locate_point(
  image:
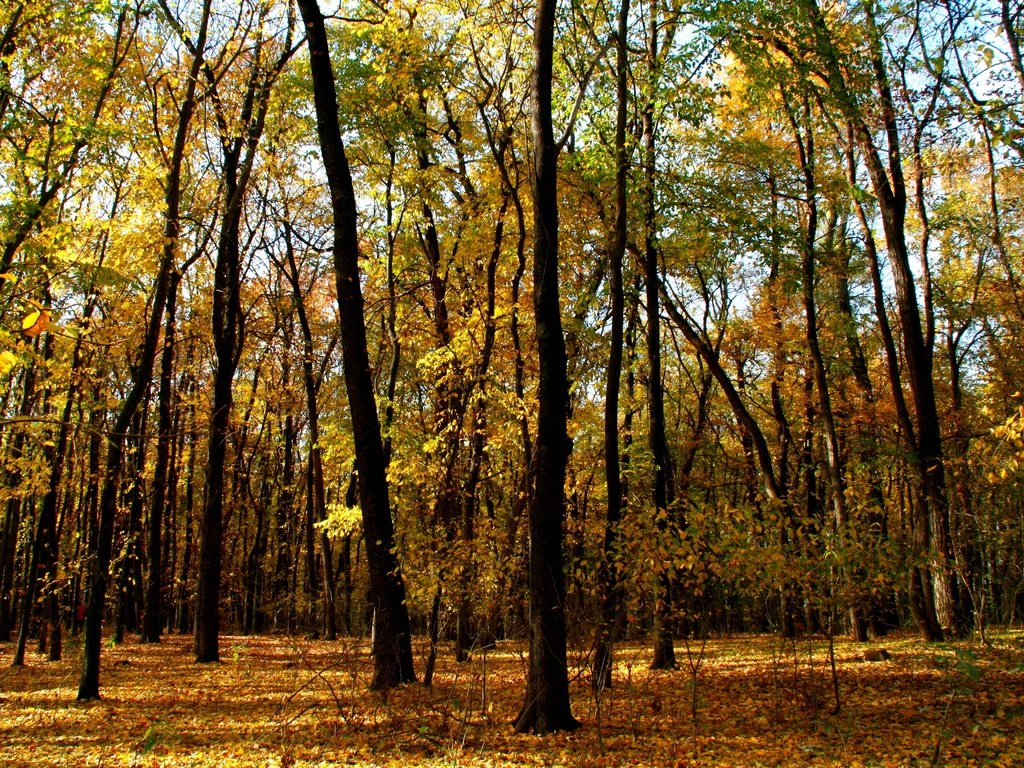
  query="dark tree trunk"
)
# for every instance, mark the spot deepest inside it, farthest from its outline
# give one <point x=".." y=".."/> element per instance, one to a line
<point x="611" y="591"/>
<point x="392" y="646"/>
<point x="664" y="648"/>
<point x="101" y="543"/>
<point x="238" y="155"/>
<point x="546" y="707"/>
<point x="151" y="622"/>
<point x="227" y="341"/>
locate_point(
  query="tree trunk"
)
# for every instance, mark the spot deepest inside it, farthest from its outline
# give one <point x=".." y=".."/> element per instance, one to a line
<point x="238" y="155"/>
<point x="185" y="617"/>
<point x="804" y="140"/>
<point x="546" y="708"/>
<point x="930" y="524"/>
<point x="151" y="623"/>
<point x="101" y="543"/>
<point x="43" y="551"/>
<point x="102" y="540"/>
<point x="664" y="648"/>
<point x="611" y="591"/>
<point x="392" y="647"/>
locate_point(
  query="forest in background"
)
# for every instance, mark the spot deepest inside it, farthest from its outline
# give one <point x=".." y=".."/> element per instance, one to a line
<point x="788" y="273"/>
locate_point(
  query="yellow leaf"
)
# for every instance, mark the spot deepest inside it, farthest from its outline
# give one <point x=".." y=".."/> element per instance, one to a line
<point x="7" y="361"/>
<point x="35" y="322"/>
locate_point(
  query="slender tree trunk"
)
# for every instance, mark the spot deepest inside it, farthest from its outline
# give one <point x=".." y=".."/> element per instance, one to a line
<point x="102" y="540"/>
<point x="931" y="518"/>
<point x="804" y="140"/>
<point x="14" y="507"/>
<point x="185" y="606"/>
<point x="101" y="544"/>
<point x="392" y="648"/>
<point x="151" y="623"/>
<point x="129" y="569"/>
<point x="316" y="508"/>
<point x="611" y="591"/>
<point x="43" y="550"/>
<point x="664" y="648"/>
<point x="238" y="156"/>
<point x="284" y="598"/>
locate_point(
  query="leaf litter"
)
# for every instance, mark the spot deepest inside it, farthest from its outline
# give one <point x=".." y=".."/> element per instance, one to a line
<point x="741" y="701"/>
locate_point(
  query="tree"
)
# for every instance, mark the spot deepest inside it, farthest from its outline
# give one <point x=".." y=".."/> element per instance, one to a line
<point x="238" y="148"/>
<point x="611" y="591"/>
<point x="546" y="708"/>
<point x="392" y="646"/>
<point x="101" y="542"/>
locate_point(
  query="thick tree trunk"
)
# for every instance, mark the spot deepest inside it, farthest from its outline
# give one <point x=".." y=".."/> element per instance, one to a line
<point x="227" y="316"/>
<point x="546" y="707"/>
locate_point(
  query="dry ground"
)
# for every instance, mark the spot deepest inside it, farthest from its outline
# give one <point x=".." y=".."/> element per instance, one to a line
<point x="279" y="701"/>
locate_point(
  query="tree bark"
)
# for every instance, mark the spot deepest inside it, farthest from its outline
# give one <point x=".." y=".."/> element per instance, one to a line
<point x="238" y="149"/>
<point x="392" y="647"/>
<point x="546" y="708"/>
<point x="611" y="590"/>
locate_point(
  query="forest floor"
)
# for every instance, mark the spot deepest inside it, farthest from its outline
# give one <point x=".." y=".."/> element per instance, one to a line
<point x="740" y="701"/>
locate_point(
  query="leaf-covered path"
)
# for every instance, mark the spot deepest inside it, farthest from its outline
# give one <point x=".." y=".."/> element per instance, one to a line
<point x="277" y="701"/>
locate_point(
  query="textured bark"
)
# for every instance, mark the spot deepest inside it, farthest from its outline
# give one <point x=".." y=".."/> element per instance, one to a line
<point x="546" y="708"/>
